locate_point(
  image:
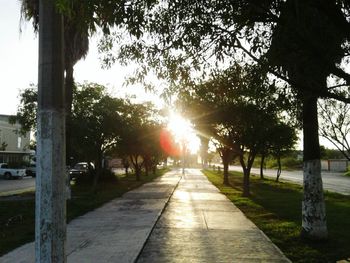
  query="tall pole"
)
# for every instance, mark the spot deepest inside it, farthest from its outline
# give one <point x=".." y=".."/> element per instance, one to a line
<point x="50" y="210"/>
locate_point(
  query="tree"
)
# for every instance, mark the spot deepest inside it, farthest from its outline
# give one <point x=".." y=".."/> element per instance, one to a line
<point x="50" y="200"/>
<point x="27" y="110"/>
<point x="81" y="19"/>
<point x="277" y="140"/>
<point x="335" y="124"/>
<point x="152" y="151"/>
<point x="234" y="109"/>
<point x="76" y="46"/>
<point x="97" y="122"/>
<point x="139" y="140"/>
<point x="204" y="150"/>
<point x="50" y="220"/>
<point x="283" y="140"/>
<point x="300" y="42"/>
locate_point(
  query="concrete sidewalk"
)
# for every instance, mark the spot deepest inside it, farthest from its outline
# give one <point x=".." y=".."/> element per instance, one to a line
<point x="200" y="224"/>
<point x="154" y="223"/>
<point x="115" y="232"/>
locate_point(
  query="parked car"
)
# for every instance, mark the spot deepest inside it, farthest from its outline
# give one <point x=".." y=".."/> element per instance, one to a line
<point x="31" y="170"/>
<point x="10" y="173"/>
<point x="79" y="169"/>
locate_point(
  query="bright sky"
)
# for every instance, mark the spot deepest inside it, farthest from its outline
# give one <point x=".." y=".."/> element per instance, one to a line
<point x="182" y="130"/>
<point x="19" y="62"/>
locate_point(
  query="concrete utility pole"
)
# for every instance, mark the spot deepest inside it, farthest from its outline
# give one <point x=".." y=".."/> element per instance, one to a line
<point x="50" y="210"/>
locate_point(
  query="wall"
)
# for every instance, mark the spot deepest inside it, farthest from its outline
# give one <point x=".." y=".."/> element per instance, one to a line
<point x="8" y="134"/>
<point x="335" y="165"/>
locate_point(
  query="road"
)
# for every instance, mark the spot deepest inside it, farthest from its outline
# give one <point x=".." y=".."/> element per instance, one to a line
<point x="332" y="181"/>
<point x="8" y="187"/>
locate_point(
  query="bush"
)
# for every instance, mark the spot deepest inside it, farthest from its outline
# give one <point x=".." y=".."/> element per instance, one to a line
<point x="105" y="176"/>
<point x="291" y="162"/>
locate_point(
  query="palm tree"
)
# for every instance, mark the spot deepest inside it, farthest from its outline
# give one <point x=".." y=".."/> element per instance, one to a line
<point x="76" y="47"/>
<point x="50" y="205"/>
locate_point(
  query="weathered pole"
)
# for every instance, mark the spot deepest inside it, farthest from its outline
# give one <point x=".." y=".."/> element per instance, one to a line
<point x="50" y="210"/>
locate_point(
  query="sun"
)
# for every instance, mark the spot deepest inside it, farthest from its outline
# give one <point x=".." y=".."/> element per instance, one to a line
<point x="183" y="132"/>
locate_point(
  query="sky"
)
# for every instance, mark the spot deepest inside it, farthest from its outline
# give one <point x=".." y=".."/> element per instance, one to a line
<point x="19" y="64"/>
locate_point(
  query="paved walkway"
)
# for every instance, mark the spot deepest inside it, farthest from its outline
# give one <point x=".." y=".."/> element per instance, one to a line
<point x="115" y="232"/>
<point x="198" y="225"/>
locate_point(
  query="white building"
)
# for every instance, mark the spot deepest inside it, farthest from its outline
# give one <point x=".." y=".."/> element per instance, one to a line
<point x="14" y="147"/>
<point x="335" y="165"/>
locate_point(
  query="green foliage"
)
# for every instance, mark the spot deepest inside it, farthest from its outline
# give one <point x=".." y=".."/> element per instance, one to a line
<point x="3" y="146"/>
<point x="27" y="110"/>
<point x="87" y="16"/>
<point x="103" y="125"/>
<point x="184" y="38"/>
<point x="289" y="161"/>
<point x="106" y="175"/>
<point x="96" y="122"/>
<point x="140" y="137"/>
<point x="335" y="125"/>
<point x="241" y="110"/>
<point x="280" y="222"/>
<point x="330" y="153"/>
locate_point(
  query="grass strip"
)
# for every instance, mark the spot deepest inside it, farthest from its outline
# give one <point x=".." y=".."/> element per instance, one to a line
<point x="276" y="209"/>
<point x="17" y="213"/>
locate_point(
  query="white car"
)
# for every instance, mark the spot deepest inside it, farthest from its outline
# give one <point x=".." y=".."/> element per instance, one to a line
<point x="10" y="173"/>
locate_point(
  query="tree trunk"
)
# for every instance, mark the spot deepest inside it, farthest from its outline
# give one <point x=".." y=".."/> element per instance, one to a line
<point x="50" y="204"/>
<point x="69" y="84"/>
<point x="314" y="225"/>
<point x="204" y="151"/>
<point x="225" y="157"/>
<point x="246" y="171"/>
<point x="138" y="173"/>
<point x="146" y="170"/>
<point x="98" y="170"/>
<point x="137" y="166"/>
<point x="246" y="182"/>
<point x="226" y="182"/>
<point x="262" y="166"/>
<point x="279" y="169"/>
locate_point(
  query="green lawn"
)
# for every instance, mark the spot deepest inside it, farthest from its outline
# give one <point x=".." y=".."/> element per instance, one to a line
<point x="276" y="209"/>
<point x="17" y="212"/>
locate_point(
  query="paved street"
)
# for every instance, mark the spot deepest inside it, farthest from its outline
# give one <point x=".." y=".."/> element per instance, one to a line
<point x="176" y="218"/>
<point x="8" y="187"/>
<point x="332" y="181"/>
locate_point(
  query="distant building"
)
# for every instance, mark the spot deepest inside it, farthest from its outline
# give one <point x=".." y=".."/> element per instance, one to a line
<point x="14" y="147"/>
<point x="335" y="165"/>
